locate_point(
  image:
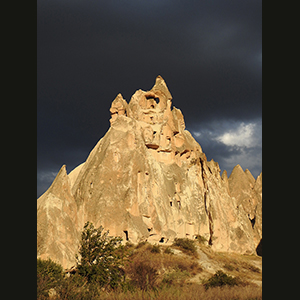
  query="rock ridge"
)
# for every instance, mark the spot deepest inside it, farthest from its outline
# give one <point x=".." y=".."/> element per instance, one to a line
<point x="148" y="179"/>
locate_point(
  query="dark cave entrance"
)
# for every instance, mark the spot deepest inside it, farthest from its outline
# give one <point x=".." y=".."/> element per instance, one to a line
<point x="259" y="248"/>
<point x="252" y="220"/>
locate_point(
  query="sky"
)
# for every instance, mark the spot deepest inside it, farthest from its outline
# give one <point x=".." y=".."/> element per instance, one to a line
<point x="208" y="52"/>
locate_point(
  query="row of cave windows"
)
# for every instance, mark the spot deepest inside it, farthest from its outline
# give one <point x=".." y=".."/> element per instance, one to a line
<point x="156" y="99"/>
<point x="178" y="202"/>
<point x="162" y="240"/>
<point x="258" y="248"/>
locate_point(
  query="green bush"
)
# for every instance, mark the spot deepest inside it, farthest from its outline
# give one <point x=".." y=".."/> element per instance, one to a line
<point x="49" y="268"/>
<point x="100" y="259"/>
<point x="221" y="279"/>
<point x="49" y="275"/>
<point x="187" y="245"/>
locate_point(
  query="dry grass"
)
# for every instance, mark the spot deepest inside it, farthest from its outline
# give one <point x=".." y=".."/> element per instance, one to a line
<point x="183" y="268"/>
<point x="244" y="266"/>
<point x="150" y="267"/>
<point x="190" y="292"/>
<point x="186" y="245"/>
<point x="153" y="273"/>
<point x="164" y="262"/>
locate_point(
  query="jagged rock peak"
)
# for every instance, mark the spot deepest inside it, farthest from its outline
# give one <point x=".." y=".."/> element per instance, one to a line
<point x="118" y="107"/>
<point x="259" y="178"/>
<point x="224" y="175"/>
<point x="236" y="171"/>
<point x="250" y="176"/>
<point x="160" y="86"/>
<point x="61" y="185"/>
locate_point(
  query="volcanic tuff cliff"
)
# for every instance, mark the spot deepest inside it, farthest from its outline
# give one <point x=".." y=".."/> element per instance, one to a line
<point x="148" y="179"/>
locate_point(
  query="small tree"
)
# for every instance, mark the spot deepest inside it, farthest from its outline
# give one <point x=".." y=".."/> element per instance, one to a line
<point x="99" y="261"/>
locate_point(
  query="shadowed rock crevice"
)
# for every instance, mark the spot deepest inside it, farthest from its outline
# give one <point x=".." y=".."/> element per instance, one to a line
<point x="259" y="248"/>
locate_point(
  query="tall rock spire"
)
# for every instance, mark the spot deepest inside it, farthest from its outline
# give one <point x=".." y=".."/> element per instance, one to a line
<point x="161" y="86"/>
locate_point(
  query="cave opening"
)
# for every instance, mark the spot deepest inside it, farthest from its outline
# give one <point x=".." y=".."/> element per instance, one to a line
<point x="259" y="248"/>
<point x="252" y="220"/>
<point x="126" y="235"/>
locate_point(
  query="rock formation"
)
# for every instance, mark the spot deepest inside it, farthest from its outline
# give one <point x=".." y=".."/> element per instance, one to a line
<point x="148" y="179"/>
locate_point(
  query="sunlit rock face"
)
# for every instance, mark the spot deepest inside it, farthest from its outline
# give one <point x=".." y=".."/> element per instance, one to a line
<point x="148" y="179"/>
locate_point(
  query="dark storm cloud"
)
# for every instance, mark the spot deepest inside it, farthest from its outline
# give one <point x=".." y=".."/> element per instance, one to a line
<point x="209" y="53"/>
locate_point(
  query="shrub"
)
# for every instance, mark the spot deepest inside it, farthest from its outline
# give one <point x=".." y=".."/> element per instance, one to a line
<point x="187" y="245"/>
<point x="229" y="267"/>
<point x="49" y="268"/>
<point x="143" y="275"/>
<point x="141" y="244"/>
<point x="155" y="249"/>
<point x="75" y="287"/>
<point x="49" y="275"/>
<point x="129" y="245"/>
<point x="201" y="239"/>
<point x="168" y="250"/>
<point x="175" y="277"/>
<point x="221" y="279"/>
<point x="142" y="268"/>
<point x="100" y="259"/>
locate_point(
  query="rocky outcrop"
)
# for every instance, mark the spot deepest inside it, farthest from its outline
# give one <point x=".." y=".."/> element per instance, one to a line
<point x="248" y="194"/>
<point x="148" y="179"/>
<point x="57" y="233"/>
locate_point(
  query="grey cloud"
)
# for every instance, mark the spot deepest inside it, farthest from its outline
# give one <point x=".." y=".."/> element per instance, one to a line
<point x="247" y="152"/>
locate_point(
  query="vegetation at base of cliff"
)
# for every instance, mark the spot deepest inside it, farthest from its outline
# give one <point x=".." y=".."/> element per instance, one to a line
<point x="221" y="279"/>
<point x="186" y="245"/>
<point x="106" y="269"/>
<point x="100" y="259"/>
<point x="49" y="276"/>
